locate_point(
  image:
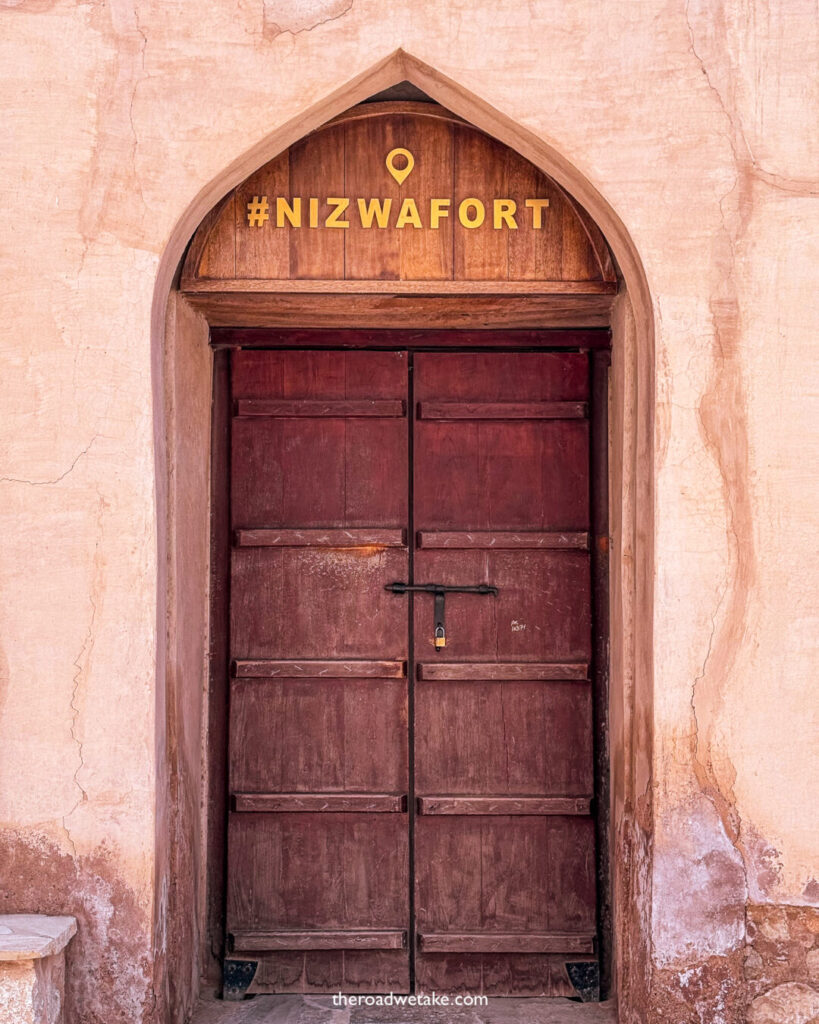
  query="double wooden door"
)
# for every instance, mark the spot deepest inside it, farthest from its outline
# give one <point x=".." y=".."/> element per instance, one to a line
<point x="404" y="814"/>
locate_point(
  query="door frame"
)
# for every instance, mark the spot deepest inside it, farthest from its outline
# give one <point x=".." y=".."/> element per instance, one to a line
<point x="597" y="341"/>
<point x="181" y="375"/>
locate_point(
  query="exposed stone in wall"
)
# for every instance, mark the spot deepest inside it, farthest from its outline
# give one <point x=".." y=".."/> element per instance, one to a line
<point x="698" y="900"/>
<point x="773" y="979"/>
<point x="705" y="991"/>
<point x="786" y="1004"/>
<point x="783" y="948"/>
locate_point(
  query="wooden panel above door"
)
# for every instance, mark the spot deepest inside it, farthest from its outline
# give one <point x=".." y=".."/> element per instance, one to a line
<point x="328" y="218"/>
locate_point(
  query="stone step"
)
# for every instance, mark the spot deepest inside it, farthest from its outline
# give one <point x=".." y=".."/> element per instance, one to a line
<point x="32" y="967"/>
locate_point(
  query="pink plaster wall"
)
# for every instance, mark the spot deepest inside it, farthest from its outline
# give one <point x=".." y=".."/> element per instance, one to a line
<point x="693" y="125"/>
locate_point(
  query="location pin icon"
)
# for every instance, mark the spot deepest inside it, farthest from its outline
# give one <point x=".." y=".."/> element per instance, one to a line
<point x="400" y="173"/>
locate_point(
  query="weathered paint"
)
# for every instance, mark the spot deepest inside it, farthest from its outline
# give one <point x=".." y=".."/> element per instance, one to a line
<point x="695" y="123"/>
<point x="109" y="961"/>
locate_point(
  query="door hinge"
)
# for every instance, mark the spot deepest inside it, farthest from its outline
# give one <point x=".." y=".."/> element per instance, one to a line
<point x="585" y="977"/>
<point x="237" y="976"/>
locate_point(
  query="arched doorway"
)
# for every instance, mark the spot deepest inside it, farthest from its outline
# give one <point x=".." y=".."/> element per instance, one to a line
<point x="272" y="285"/>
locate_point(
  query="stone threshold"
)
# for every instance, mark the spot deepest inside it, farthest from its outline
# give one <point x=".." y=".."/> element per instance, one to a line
<point x="294" y="1009"/>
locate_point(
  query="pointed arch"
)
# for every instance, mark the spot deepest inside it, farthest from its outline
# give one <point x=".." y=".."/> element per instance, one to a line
<point x="181" y="368"/>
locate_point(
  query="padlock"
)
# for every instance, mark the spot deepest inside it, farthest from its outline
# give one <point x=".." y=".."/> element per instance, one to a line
<point x="440" y="590"/>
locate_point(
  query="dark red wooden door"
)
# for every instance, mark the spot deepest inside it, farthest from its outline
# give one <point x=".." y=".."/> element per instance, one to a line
<point x="353" y="741"/>
<point x="504" y="843"/>
<point x="318" y="844"/>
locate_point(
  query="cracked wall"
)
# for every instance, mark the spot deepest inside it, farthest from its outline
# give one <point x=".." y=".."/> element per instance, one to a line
<point x="696" y="121"/>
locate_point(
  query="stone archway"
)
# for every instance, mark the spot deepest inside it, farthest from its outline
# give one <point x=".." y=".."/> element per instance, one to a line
<point x="182" y="375"/>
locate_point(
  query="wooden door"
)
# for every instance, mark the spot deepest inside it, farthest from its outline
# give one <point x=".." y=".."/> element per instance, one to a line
<point x="504" y="841"/>
<point x="318" y="844"/>
<point x="358" y="750"/>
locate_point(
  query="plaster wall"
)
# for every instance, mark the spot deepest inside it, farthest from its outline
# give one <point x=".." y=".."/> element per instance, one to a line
<point x="695" y="123"/>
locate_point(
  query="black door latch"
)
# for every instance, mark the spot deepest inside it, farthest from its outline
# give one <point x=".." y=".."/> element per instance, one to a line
<point x="440" y="590"/>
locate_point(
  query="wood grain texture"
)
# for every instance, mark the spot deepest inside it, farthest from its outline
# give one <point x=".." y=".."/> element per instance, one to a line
<point x="323" y="871"/>
<point x="502" y="760"/>
<point x="381" y="803"/>
<point x="502" y="539"/>
<point x="345" y="456"/>
<point x="516" y="740"/>
<point x="488" y="489"/>
<point x="503" y="805"/>
<point x="532" y="256"/>
<point x="500" y="670"/>
<point x="318" y="743"/>
<point x="506" y="942"/>
<point x="318" y="735"/>
<point x="501" y="474"/>
<point x="333" y="750"/>
<point x="367" y="111"/>
<point x="428" y="255"/>
<point x="373" y="252"/>
<point x="540" y="614"/>
<point x="453" y="161"/>
<point x="248" y="941"/>
<point x="218" y="666"/>
<point x="319" y="538"/>
<point x="314" y="375"/>
<point x="316" y="252"/>
<point x="315" y="408"/>
<point x="316" y="669"/>
<point x="480" y="170"/>
<point x="433" y="309"/>
<point x="303" y="603"/>
<point x="259" y="253"/>
<point x="329" y="970"/>
<point x="357" y="465"/>
<point x="213" y="248"/>
<point x="502" y="410"/>
<point x="524" y="975"/>
<point x="344" y="338"/>
<point x="599" y="443"/>
<point x="504" y="873"/>
<point x="332" y="286"/>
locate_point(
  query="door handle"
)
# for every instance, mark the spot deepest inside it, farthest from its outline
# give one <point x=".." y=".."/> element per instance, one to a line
<point x="440" y="590"/>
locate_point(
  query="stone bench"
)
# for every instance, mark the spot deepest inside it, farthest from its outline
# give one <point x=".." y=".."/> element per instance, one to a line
<point x="32" y="967"/>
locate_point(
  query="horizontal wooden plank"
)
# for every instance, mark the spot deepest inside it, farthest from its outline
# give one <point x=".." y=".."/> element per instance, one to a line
<point x="506" y="942"/>
<point x="385" y="803"/>
<point x="256" y="337"/>
<point x="502" y="410"/>
<point x="352" y="938"/>
<point x="504" y="805"/>
<point x="269" y="668"/>
<point x="501" y="670"/>
<point x="319" y="408"/>
<point x="254" y="285"/>
<point x="430" y="311"/>
<point x="366" y="111"/>
<point x="503" y="539"/>
<point x="352" y="538"/>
